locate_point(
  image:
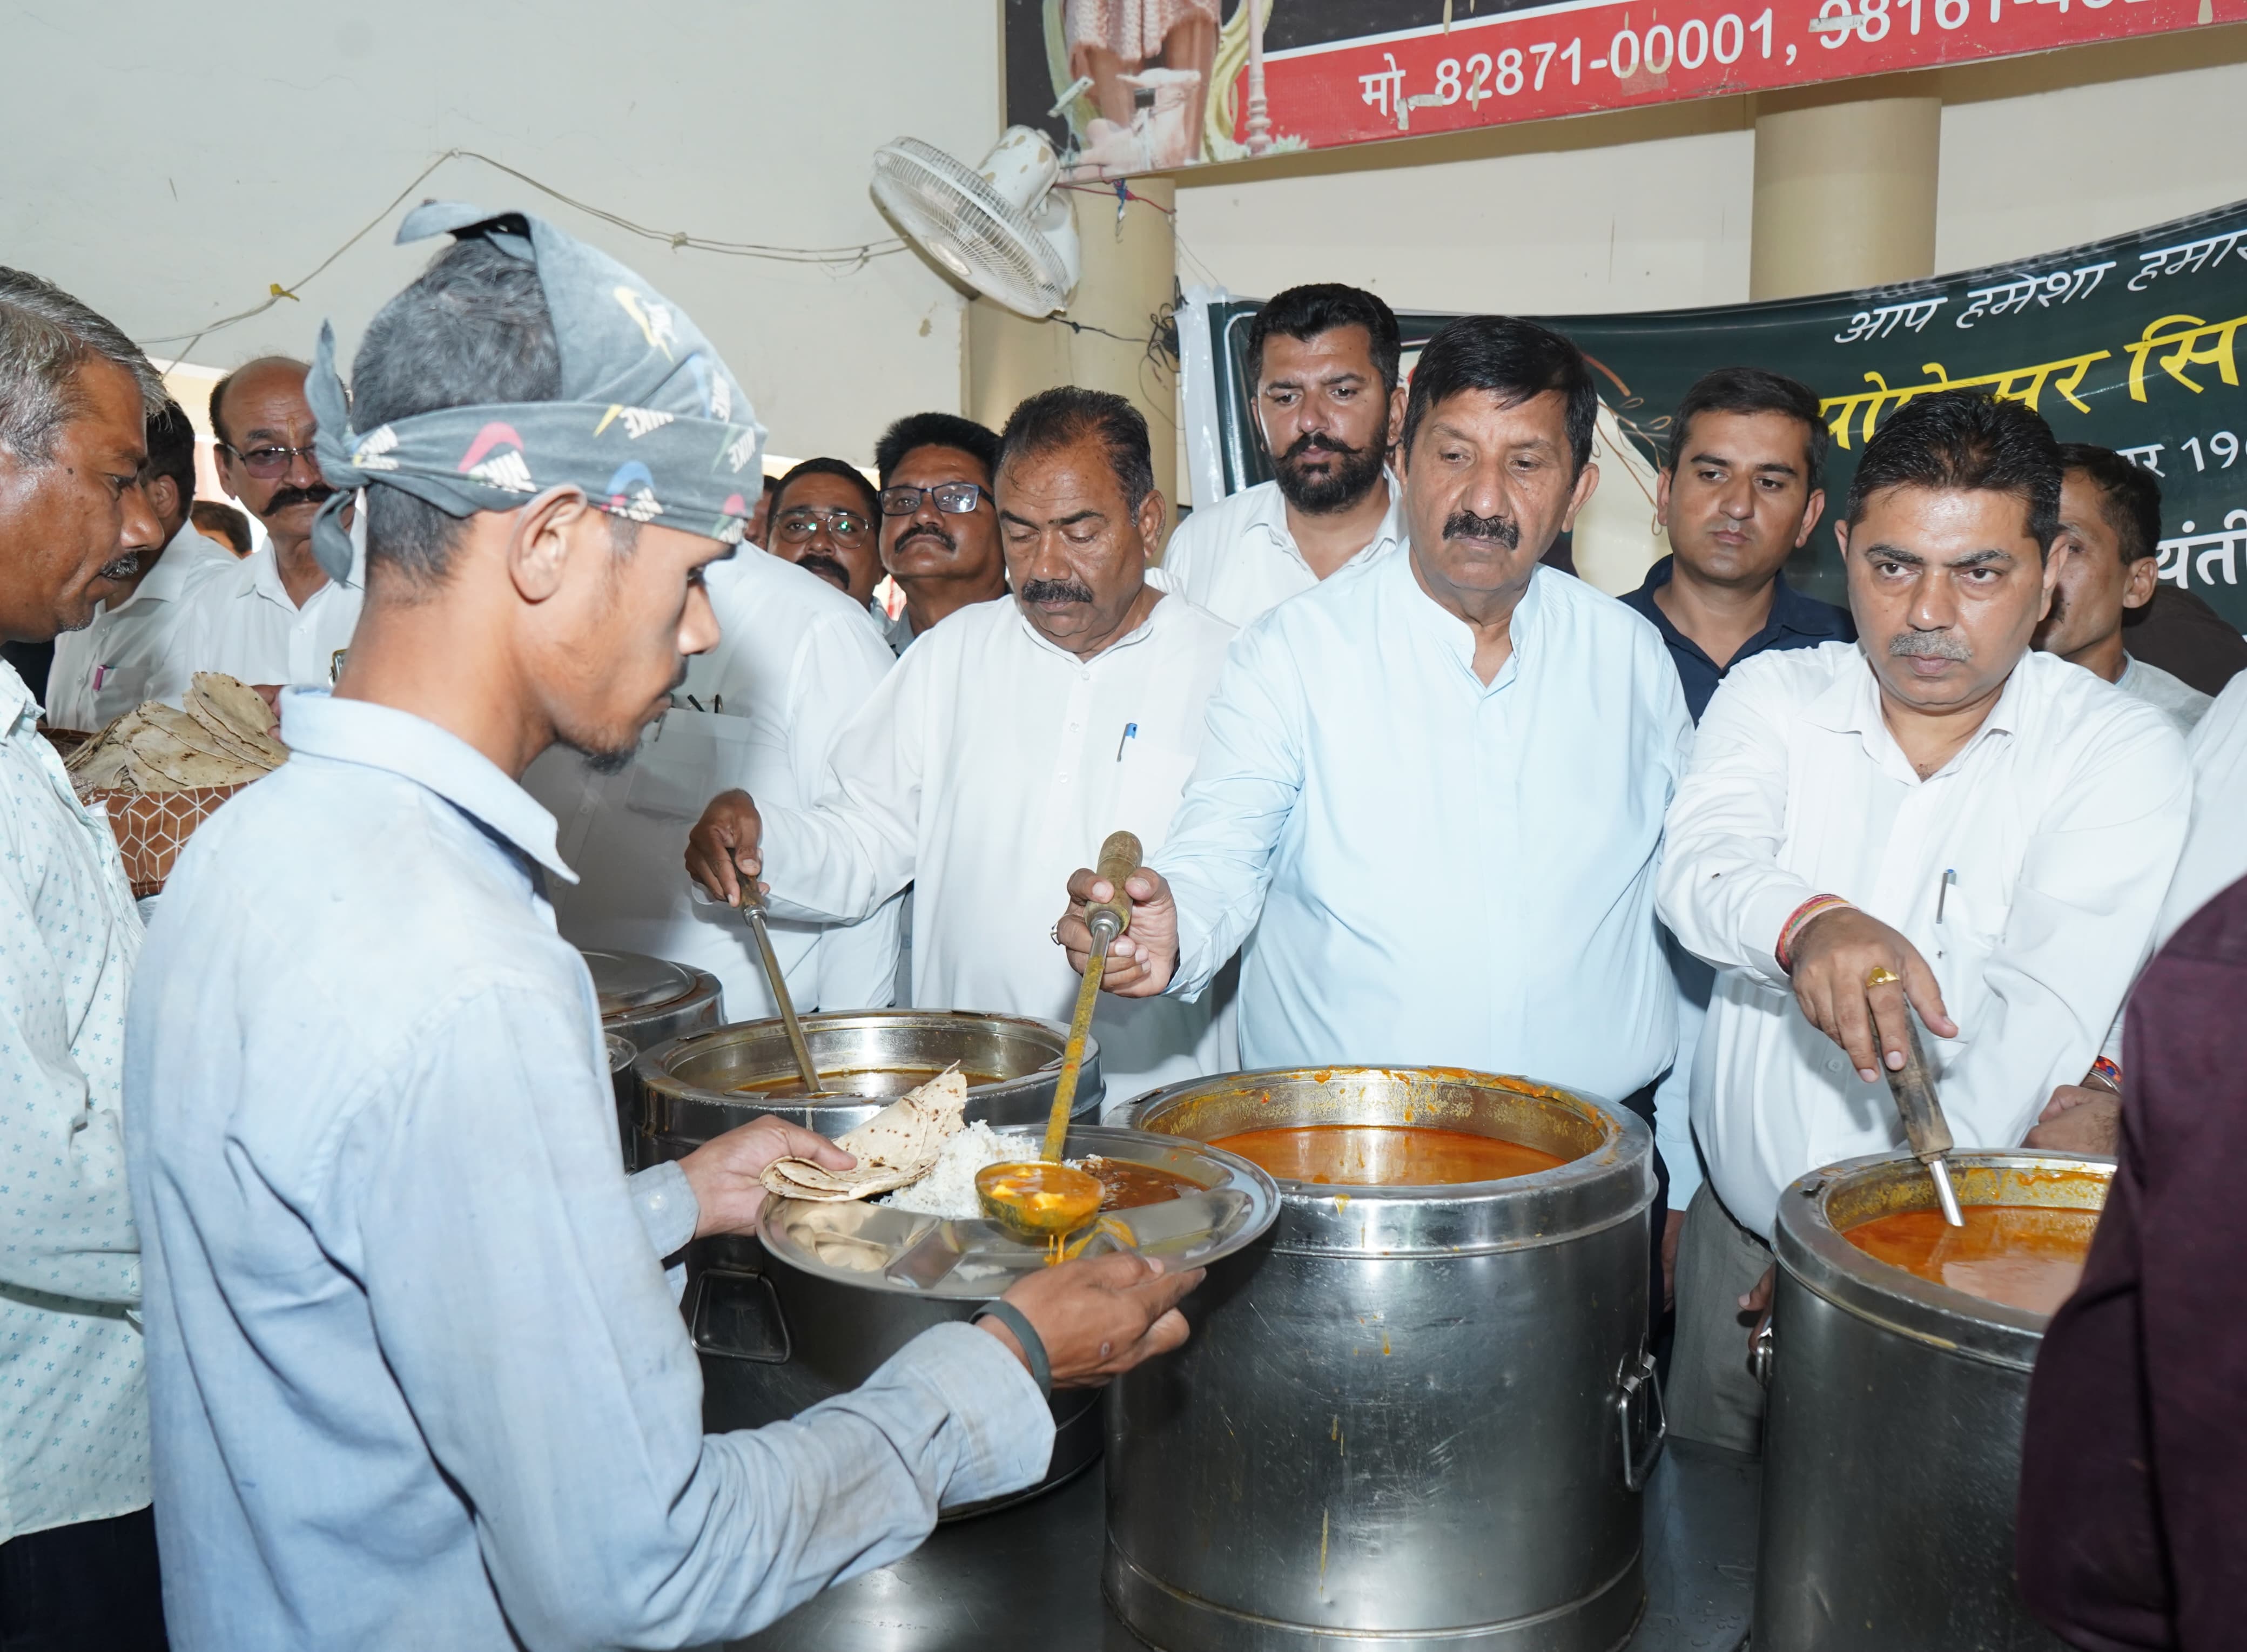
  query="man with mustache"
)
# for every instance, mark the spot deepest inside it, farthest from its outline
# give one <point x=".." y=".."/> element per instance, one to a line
<point x="939" y="527"/>
<point x="1007" y="742"/>
<point x="1328" y="404"/>
<point x="275" y="619"/>
<point x="1935" y="814"/>
<point x="127" y="654"/>
<point x="822" y="519"/>
<point x="1430" y="801"/>
<point x="2110" y="520"/>
<point x="78" y="1545"/>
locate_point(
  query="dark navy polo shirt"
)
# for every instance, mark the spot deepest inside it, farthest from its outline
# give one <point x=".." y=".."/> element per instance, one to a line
<point x="1796" y="621"/>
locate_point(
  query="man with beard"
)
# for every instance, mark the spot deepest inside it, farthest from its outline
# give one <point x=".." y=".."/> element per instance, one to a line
<point x="417" y="1377"/>
<point x="1328" y="403"/>
<point x="1007" y="743"/>
<point x="125" y="655"/>
<point x="1430" y="800"/>
<point x="276" y="618"/>
<point x="2110" y="526"/>
<point x="939" y="527"/>
<point x="822" y="520"/>
<point x="1934" y="815"/>
<point x="78" y="1546"/>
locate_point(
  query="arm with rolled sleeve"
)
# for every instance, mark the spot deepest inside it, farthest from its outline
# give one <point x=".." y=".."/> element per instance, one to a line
<point x="1246" y="784"/>
<point x="528" y="1327"/>
<point x="1722" y="891"/>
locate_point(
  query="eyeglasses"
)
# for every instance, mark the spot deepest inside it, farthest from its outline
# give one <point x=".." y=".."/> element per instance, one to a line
<point x="270" y="461"/>
<point x="800" y="524"/>
<point x="952" y="498"/>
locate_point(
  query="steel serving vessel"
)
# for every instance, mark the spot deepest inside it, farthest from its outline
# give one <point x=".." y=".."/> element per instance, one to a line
<point x="1892" y="1443"/>
<point x="1408" y="1417"/>
<point x="840" y="1288"/>
<point x="622" y="1054"/>
<point x="648" y="1001"/>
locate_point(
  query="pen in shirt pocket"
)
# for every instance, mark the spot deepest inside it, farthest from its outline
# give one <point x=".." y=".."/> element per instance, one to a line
<point x="1130" y="733"/>
<point x="1943" y="897"/>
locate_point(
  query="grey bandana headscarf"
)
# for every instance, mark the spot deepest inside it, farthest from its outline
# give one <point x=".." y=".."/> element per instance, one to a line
<point x="649" y="423"/>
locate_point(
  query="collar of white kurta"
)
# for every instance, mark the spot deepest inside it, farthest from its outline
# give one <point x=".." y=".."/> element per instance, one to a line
<point x="264" y="578"/>
<point x="19" y="711"/>
<point x="1447" y="630"/>
<point x="1138" y="633"/>
<point x="315" y="723"/>
<point x="1270" y="517"/>
<point x="167" y="580"/>
<point x="1851" y="704"/>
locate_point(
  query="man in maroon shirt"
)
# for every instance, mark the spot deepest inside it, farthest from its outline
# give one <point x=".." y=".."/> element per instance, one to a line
<point x="2132" y="1521"/>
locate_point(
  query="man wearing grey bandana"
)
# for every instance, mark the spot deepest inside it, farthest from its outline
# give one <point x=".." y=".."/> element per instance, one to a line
<point x="417" y="1377"/>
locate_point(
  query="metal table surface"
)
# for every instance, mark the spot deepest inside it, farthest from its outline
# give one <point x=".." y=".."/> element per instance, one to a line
<point x="1027" y="1579"/>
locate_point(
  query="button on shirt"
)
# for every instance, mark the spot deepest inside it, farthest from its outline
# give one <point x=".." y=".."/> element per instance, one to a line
<point x="74" y="1442"/>
<point x="1237" y="559"/>
<point x="759" y="712"/>
<point x="1796" y="621"/>
<point x="988" y="768"/>
<point x="418" y="1378"/>
<point x="2061" y="817"/>
<point x="126" y="655"/>
<point x="1434" y="871"/>
<point x="242" y="623"/>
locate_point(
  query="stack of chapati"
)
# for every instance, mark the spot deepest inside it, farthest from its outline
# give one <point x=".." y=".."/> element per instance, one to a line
<point x="224" y="738"/>
<point x="898" y="1145"/>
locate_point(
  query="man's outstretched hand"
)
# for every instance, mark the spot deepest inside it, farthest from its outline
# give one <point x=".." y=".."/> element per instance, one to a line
<point x="725" y="1171"/>
<point x="1837" y="955"/>
<point x="1099" y="1316"/>
<point x="1143" y="957"/>
<point x="724" y="850"/>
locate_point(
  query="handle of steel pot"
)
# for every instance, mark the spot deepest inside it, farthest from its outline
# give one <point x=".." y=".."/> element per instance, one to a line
<point x="722" y="1303"/>
<point x="1119" y="858"/>
<point x="1762" y="1350"/>
<point x="1639" y="1398"/>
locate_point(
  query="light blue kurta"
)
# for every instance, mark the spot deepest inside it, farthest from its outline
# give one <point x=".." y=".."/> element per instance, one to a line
<point x="415" y="1375"/>
<point x="1425" y="870"/>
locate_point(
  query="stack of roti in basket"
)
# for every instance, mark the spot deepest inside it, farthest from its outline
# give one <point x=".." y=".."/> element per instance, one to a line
<point x="223" y="738"/>
<point x="898" y="1145"/>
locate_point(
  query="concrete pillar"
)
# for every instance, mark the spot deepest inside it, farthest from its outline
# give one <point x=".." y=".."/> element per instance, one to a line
<point x="1127" y="278"/>
<point x="1845" y="186"/>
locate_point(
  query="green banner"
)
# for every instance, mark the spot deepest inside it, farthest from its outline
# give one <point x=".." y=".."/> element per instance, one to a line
<point x="2129" y="342"/>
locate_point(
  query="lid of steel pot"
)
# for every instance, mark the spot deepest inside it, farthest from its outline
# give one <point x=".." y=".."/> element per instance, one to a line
<point x="627" y="983"/>
<point x="622" y="1053"/>
<point x="880" y="1248"/>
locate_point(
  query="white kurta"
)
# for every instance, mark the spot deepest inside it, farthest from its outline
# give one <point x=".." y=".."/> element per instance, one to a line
<point x="2061" y="819"/>
<point x="797" y="659"/>
<point x="988" y="769"/>
<point x="242" y="622"/>
<point x="126" y="655"/>
<point x="1237" y="558"/>
<point x="2166" y="692"/>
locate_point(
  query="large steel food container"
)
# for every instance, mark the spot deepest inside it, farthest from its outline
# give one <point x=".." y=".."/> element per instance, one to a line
<point x="649" y="1001"/>
<point x="622" y="1054"/>
<point x="844" y="1286"/>
<point x="1892" y="1444"/>
<point x="1409" y="1417"/>
<point x="690" y="1090"/>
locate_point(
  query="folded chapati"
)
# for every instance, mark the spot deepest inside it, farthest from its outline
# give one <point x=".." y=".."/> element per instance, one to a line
<point x="898" y="1145"/>
<point x="237" y="714"/>
<point x="223" y="738"/>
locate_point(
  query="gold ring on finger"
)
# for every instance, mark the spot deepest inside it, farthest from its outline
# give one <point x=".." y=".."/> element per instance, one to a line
<point x="1882" y="976"/>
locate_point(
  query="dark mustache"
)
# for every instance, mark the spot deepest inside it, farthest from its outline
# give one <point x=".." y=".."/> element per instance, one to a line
<point x="1315" y="442"/>
<point x="1464" y="524"/>
<point x="927" y="530"/>
<point x="1056" y="590"/>
<point x="284" y="498"/>
<point x="826" y="567"/>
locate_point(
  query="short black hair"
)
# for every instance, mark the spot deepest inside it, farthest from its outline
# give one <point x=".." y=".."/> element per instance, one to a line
<point x="979" y="442"/>
<point x="219" y="390"/>
<point x="172" y="451"/>
<point x="208" y="513"/>
<point x="475" y="329"/>
<point x="1961" y="440"/>
<point x="1322" y="306"/>
<point x="1053" y="420"/>
<point x="823" y="466"/>
<point x="1515" y="360"/>
<point x="2129" y="494"/>
<point x="1752" y="390"/>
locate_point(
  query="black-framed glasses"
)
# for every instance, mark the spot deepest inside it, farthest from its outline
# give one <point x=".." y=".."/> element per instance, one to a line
<point x="952" y="498"/>
<point x="268" y="463"/>
<point x="802" y="521"/>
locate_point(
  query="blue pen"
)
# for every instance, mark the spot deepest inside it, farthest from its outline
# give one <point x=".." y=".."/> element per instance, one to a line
<point x="1131" y="732"/>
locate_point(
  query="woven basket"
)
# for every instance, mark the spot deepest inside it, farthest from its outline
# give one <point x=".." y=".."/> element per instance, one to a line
<point x="152" y="827"/>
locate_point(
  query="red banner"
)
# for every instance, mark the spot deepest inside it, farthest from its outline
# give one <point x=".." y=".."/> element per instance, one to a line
<point x="1587" y="55"/>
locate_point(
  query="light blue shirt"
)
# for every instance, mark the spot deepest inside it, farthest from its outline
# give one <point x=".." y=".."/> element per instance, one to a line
<point x="1435" y="872"/>
<point x="416" y="1378"/>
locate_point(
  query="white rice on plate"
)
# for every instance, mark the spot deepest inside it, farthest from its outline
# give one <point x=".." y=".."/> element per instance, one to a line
<point x="948" y="1191"/>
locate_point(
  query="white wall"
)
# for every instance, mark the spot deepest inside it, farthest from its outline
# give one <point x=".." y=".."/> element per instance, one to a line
<point x="167" y="162"/>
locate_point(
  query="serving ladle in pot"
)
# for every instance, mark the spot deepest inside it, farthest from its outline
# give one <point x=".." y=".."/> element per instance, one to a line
<point x="752" y="909"/>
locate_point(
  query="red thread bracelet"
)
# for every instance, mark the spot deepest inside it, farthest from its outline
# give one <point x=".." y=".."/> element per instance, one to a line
<point x="1801" y="915"/>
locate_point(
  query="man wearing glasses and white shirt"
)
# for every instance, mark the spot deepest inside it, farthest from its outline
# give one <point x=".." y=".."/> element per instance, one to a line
<point x="939" y="527"/>
<point x="1933" y="813"/>
<point x="822" y="520"/>
<point x="1329" y="405"/>
<point x="275" y="619"/>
